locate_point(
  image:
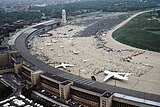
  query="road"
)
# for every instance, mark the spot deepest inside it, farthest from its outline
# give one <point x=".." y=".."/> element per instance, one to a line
<point x="129" y="19"/>
<point x="49" y="99"/>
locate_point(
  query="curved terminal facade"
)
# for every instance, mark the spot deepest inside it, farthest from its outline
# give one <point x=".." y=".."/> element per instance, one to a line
<point x="65" y="85"/>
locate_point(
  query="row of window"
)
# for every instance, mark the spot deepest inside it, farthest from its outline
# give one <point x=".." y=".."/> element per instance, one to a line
<point x="85" y="95"/>
<point x="85" y="102"/>
<point x="26" y="72"/>
<point x="27" y="76"/>
<point x="103" y="103"/>
<point x="50" y="83"/>
<point x="62" y="93"/>
<point x="50" y="89"/>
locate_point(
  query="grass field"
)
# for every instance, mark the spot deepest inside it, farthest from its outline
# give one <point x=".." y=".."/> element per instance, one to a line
<point x="140" y="32"/>
<point x="4" y="91"/>
<point x="125" y="16"/>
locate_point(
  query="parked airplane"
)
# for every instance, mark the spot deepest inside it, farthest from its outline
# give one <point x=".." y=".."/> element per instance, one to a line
<point x="48" y="44"/>
<point x="116" y="75"/>
<point x="76" y="52"/>
<point x="84" y="60"/>
<point x="64" y="65"/>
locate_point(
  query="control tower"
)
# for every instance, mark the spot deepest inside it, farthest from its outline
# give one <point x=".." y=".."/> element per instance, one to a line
<point x="64" y="21"/>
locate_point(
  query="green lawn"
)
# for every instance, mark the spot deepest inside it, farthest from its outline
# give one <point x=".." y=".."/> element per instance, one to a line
<point x="125" y="16"/>
<point x="140" y="33"/>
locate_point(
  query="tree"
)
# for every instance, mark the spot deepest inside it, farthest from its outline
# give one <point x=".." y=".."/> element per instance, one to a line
<point x="158" y="12"/>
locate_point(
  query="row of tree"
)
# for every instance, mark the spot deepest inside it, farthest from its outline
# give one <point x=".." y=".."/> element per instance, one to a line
<point x="25" y="15"/>
<point x="158" y="12"/>
<point x="77" y="8"/>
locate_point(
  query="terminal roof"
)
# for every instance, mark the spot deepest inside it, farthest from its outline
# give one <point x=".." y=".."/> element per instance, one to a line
<point x="60" y="79"/>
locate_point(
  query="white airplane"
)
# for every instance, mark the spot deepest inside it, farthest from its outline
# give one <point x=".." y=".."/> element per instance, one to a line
<point x="84" y="60"/>
<point x="48" y="44"/>
<point x="76" y="52"/>
<point x="41" y="48"/>
<point x="64" y="65"/>
<point x="116" y="75"/>
<point x="61" y="46"/>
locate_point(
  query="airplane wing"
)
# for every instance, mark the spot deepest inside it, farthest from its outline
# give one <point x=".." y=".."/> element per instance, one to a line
<point x="69" y="65"/>
<point x="108" y="77"/>
<point x="120" y="77"/>
<point x="58" y="66"/>
<point x="125" y="74"/>
<point x="120" y="73"/>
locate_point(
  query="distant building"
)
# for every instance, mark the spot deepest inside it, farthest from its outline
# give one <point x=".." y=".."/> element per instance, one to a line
<point x="64" y="19"/>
